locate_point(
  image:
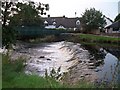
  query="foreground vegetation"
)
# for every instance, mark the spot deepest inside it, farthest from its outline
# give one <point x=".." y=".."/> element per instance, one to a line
<point x="14" y="77"/>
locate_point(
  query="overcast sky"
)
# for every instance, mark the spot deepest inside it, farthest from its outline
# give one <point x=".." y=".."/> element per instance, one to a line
<point x="69" y="7"/>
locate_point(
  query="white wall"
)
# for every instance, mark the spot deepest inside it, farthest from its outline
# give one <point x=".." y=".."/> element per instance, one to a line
<point x="50" y="27"/>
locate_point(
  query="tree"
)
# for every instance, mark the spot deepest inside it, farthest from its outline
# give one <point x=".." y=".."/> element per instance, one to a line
<point x="19" y="13"/>
<point x="117" y="18"/>
<point x="28" y="14"/>
<point x="92" y="20"/>
<point x="8" y="34"/>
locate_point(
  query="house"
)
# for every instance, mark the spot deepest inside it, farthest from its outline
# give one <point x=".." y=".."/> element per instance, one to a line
<point x="61" y="23"/>
<point x="113" y="28"/>
<point x="108" y="21"/>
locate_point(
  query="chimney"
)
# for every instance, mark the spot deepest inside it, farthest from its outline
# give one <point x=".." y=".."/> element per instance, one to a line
<point x="48" y="15"/>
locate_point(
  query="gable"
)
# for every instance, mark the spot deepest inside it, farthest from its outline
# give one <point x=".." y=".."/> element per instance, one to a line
<point x="61" y="27"/>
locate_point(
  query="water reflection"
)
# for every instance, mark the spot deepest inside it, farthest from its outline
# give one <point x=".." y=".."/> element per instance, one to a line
<point x="109" y="70"/>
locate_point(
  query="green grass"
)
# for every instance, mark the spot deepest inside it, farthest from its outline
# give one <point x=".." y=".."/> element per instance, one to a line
<point x="30" y="81"/>
<point x="92" y="39"/>
<point x="98" y="39"/>
<point x="13" y="76"/>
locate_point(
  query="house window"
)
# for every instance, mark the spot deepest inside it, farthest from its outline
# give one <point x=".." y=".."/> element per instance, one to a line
<point x="45" y="22"/>
<point x="54" y="23"/>
<point x="53" y="19"/>
<point x="78" y="22"/>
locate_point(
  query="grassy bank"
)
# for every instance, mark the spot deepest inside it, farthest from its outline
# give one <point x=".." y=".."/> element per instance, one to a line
<point x="99" y="39"/>
<point x="91" y="39"/>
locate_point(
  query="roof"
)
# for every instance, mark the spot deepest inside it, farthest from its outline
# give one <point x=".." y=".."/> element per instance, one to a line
<point x="114" y="25"/>
<point x="62" y="21"/>
<point x="108" y="21"/>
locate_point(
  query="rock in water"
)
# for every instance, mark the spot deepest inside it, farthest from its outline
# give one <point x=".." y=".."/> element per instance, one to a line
<point x="42" y="57"/>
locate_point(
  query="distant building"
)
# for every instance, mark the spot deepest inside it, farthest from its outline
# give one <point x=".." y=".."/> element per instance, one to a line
<point x="62" y="23"/>
<point x="108" y="21"/>
<point x="113" y="28"/>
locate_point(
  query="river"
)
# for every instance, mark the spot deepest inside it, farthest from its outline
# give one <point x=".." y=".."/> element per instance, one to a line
<point x="109" y="69"/>
<point x="83" y="61"/>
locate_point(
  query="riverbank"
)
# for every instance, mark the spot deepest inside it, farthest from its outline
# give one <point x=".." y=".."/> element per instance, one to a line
<point x="111" y="44"/>
<point x="80" y="38"/>
<point x="90" y="38"/>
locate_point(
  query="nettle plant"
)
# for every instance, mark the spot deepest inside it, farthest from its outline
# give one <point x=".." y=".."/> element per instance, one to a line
<point x="55" y="74"/>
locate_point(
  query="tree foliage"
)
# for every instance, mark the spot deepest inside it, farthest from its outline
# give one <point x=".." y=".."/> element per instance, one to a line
<point x="17" y="14"/>
<point x="117" y="18"/>
<point x="29" y="14"/>
<point x="8" y="33"/>
<point x="92" y="19"/>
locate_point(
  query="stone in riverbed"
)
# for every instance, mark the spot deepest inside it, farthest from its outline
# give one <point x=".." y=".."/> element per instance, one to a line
<point x="91" y="67"/>
<point x="80" y="61"/>
<point x="82" y="76"/>
<point x="91" y="64"/>
<point x="87" y="74"/>
<point x="42" y="57"/>
<point x="48" y="59"/>
<point x="84" y="61"/>
<point x="90" y="61"/>
<point x="72" y="66"/>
